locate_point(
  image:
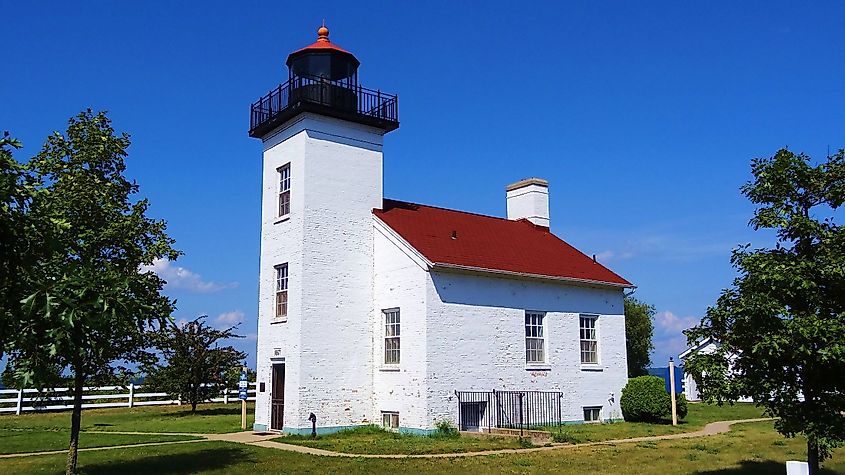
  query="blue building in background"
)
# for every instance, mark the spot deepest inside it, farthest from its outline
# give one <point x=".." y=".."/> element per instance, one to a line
<point x="664" y="373"/>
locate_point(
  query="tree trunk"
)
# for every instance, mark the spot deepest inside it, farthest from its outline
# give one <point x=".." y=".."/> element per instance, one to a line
<point x="193" y="406"/>
<point x="75" y="419"/>
<point x="813" y="456"/>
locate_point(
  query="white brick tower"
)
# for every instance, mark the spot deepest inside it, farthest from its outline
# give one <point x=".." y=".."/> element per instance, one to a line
<point x="322" y="176"/>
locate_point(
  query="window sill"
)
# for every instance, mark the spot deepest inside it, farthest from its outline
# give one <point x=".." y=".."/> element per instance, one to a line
<point x="389" y="368"/>
<point x="278" y="320"/>
<point x="538" y="367"/>
<point x="591" y="367"/>
<point x="281" y="219"/>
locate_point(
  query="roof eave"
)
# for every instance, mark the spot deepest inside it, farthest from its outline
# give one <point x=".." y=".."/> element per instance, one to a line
<point x="574" y="280"/>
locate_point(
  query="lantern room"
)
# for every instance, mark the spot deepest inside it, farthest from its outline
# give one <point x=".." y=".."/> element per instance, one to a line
<point x="323" y="79"/>
<point x="325" y="60"/>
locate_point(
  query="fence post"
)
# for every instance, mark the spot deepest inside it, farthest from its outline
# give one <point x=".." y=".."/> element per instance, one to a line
<point x="19" y="407"/>
<point x="226" y="396"/>
<point x="520" y="415"/>
<point x="131" y="394"/>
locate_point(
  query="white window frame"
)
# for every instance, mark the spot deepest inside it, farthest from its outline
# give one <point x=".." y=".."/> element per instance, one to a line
<point x="280" y="300"/>
<point x="588" y="338"/>
<point x="392" y="336"/>
<point x="535" y="338"/>
<point x="589" y="412"/>
<point x="390" y="420"/>
<point x="284" y="190"/>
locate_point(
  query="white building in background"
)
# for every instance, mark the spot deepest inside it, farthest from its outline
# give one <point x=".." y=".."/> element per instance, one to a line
<point x="705" y="347"/>
<point x="380" y="311"/>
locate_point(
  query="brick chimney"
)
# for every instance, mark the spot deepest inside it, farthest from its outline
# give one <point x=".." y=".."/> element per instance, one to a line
<point x="529" y="199"/>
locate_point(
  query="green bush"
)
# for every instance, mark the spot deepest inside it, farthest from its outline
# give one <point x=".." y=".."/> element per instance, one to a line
<point x="644" y="399"/>
<point x="445" y="428"/>
<point x="681" y="405"/>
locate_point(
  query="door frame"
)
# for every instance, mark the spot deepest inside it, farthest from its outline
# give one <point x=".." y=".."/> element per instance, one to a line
<point x="275" y="424"/>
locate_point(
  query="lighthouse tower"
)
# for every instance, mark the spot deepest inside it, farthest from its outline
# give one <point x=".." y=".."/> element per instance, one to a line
<point x="322" y="133"/>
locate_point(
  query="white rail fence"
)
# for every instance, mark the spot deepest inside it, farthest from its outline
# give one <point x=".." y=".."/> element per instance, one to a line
<point x="61" y="399"/>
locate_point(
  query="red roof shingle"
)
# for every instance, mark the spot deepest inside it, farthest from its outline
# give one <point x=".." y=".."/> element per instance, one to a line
<point x="487" y="242"/>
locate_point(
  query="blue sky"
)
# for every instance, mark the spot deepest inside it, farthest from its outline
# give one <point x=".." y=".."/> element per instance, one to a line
<point x="643" y="116"/>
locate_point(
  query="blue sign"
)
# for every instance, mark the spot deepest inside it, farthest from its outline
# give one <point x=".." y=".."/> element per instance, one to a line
<point x="243" y="386"/>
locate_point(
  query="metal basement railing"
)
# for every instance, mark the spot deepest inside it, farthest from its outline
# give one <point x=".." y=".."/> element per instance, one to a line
<point x="523" y="410"/>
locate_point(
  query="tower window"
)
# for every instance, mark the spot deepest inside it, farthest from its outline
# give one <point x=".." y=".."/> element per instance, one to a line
<point x="282" y="291"/>
<point x="284" y="190"/>
<point x="391" y="336"/>
<point x="535" y="338"/>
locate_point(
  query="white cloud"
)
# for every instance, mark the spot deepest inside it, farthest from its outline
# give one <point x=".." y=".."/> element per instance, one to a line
<point x="180" y="278"/>
<point x="669" y="339"/>
<point x="230" y="318"/>
<point x="608" y="255"/>
<point x="668" y="323"/>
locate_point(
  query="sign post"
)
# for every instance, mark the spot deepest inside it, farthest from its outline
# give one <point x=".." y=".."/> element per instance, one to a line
<point x="672" y="387"/>
<point x="243" y="385"/>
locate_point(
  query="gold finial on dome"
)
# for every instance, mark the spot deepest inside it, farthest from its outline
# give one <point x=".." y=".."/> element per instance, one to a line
<point x="323" y="33"/>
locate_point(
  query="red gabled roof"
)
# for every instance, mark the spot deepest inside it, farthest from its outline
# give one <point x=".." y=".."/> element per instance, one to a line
<point x="487" y="242"/>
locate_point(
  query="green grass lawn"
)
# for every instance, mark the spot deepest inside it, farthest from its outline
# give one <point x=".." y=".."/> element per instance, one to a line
<point x="698" y="416"/>
<point x="748" y="449"/>
<point x="20" y="441"/>
<point x="209" y="418"/>
<point x="375" y="440"/>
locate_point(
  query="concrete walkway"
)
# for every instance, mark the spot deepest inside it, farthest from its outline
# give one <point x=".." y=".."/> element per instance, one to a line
<point x="264" y="440"/>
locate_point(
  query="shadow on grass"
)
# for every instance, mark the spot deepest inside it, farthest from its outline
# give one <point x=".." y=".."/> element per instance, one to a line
<point x="217" y="411"/>
<point x="187" y="462"/>
<point x="752" y="467"/>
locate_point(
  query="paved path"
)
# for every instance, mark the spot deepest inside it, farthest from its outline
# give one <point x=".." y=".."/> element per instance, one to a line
<point x="264" y="440"/>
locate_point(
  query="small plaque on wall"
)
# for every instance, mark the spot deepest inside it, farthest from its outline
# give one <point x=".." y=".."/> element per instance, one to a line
<point x="261" y="387"/>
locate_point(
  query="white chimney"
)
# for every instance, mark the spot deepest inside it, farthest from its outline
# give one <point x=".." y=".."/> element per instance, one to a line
<point x="529" y="199"/>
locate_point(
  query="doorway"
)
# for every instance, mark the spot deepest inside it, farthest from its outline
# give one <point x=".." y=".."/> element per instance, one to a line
<point x="277" y="398"/>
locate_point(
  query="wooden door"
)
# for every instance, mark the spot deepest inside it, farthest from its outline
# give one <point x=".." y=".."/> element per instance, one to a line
<point x="277" y="404"/>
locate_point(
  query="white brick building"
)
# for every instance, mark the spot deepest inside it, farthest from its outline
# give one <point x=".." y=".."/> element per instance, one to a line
<point x="386" y="312"/>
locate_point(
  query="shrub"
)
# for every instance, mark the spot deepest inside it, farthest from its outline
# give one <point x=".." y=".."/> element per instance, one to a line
<point x="681" y="405"/>
<point x="644" y="399"/>
<point x="446" y="428"/>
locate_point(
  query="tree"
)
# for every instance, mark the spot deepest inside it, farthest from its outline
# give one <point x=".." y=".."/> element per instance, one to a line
<point x="14" y="197"/>
<point x="90" y="311"/>
<point x="639" y="329"/>
<point x="781" y="325"/>
<point x="197" y="368"/>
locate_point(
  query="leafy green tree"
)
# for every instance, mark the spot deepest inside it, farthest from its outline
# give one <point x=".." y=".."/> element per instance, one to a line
<point x="14" y="198"/>
<point x="639" y="329"/>
<point x="90" y="311"/>
<point x="781" y="325"/>
<point x="197" y="368"/>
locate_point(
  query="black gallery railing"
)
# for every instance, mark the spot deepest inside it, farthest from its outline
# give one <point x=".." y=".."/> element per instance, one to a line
<point x="340" y="96"/>
<point x="523" y="410"/>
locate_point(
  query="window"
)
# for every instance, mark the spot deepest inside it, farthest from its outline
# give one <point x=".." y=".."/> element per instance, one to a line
<point x="391" y="336"/>
<point x="282" y="291"/>
<point x="535" y="339"/>
<point x="592" y="414"/>
<point x="390" y="420"/>
<point x="589" y="343"/>
<point x="284" y="190"/>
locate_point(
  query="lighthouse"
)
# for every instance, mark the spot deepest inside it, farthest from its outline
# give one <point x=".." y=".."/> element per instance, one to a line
<point x="322" y="133"/>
